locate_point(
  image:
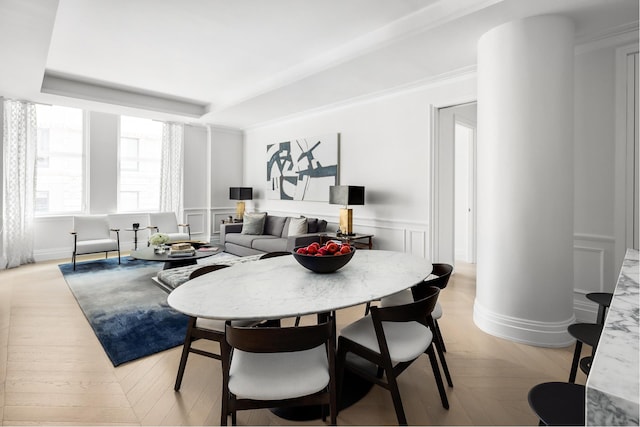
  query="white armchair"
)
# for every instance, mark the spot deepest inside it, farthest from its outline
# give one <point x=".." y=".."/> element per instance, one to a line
<point x="166" y="223"/>
<point x="92" y="234"/>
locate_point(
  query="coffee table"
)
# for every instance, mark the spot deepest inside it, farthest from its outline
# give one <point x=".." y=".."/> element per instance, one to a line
<point x="148" y="254"/>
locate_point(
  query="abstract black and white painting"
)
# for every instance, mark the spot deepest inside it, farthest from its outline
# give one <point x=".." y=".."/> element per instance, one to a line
<point x="302" y="169"/>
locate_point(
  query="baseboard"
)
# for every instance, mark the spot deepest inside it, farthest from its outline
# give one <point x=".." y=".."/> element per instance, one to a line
<point x="539" y="334"/>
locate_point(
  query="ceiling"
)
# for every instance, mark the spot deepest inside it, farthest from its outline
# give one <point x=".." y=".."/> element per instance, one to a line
<point x="242" y="63"/>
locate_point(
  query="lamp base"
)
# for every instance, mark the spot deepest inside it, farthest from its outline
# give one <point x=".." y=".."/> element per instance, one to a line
<point x="346" y="221"/>
<point x="240" y="210"/>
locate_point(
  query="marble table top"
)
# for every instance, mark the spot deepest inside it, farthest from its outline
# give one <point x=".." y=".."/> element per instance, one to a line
<point x="613" y="384"/>
<point x="279" y="287"/>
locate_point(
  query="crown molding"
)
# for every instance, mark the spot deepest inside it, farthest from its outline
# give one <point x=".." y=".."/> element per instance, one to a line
<point x="72" y="86"/>
<point x="615" y="36"/>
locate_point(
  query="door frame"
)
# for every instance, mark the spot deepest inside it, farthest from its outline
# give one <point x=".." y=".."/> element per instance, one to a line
<point x="625" y="167"/>
<point x="435" y="248"/>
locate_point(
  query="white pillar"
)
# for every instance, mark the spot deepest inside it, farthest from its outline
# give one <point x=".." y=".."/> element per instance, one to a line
<point x="525" y="181"/>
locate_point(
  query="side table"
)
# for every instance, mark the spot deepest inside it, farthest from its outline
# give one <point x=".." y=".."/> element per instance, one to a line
<point x="360" y="241"/>
<point x="135" y="236"/>
<point x="231" y="221"/>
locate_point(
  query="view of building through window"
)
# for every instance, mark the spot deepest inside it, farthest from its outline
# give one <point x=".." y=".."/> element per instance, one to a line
<point x="60" y="164"/>
<point x="139" y="166"/>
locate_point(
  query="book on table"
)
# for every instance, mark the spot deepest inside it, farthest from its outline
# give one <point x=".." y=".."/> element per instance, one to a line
<point x="181" y="250"/>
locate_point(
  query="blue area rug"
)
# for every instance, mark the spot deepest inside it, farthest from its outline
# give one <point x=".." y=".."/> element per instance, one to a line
<point x="127" y="311"/>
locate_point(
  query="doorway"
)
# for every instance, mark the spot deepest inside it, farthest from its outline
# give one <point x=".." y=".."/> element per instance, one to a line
<point x="453" y="201"/>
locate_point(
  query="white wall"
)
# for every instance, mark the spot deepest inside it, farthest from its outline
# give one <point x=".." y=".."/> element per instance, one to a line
<point x="385" y="146"/>
<point x="595" y="265"/>
<point x="226" y="171"/>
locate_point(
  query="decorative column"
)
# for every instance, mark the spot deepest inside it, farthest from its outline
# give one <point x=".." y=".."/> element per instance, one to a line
<point x="525" y="181"/>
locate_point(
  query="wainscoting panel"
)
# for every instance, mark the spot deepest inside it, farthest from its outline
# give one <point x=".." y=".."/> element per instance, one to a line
<point x="197" y="220"/>
<point x="215" y="217"/>
<point x="593" y="272"/>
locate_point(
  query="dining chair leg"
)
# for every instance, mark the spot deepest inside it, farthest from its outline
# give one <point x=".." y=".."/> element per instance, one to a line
<point x="576" y="361"/>
<point x="397" y="400"/>
<point x="185" y="352"/>
<point x="443" y="361"/>
<point x="341" y="358"/>
<point x="438" y="376"/>
<point x="438" y="335"/>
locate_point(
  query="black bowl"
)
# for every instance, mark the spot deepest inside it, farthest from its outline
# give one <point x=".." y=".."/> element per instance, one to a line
<point x="324" y="264"/>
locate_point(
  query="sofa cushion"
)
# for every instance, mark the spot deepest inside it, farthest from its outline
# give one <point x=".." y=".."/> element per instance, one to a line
<point x="274" y="225"/>
<point x="269" y="244"/>
<point x="297" y="226"/>
<point x="253" y="223"/>
<point x="242" y="239"/>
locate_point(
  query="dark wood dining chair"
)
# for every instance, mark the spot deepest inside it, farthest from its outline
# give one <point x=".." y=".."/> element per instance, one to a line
<point x="584" y="333"/>
<point x="603" y="299"/>
<point x="392" y="338"/>
<point x="439" y="278"/>
<point x="199" y="328"/>
<point x="274" y="254"/>
<point x="558" y="403"/>
<point x="272" y="367"/>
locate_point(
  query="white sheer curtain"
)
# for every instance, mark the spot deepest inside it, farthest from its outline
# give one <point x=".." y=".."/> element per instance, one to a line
<point x="19" y="165"/>
<point x="171" y="168"/>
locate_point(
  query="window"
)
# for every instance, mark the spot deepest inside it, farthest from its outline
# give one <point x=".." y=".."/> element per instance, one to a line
<point x="139" y="164"/>
<point x="60" y="163"/>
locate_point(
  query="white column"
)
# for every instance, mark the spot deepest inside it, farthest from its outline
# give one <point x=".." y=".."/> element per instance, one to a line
<point x="525" y="181"/>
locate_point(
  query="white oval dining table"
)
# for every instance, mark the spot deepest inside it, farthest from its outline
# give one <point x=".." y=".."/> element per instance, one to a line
<point x="279" y="287"/>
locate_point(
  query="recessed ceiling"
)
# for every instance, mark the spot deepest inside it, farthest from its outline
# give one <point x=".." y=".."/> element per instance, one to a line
<point x="243" y="62"/>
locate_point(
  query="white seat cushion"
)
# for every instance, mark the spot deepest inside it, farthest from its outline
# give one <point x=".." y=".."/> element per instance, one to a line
<point x="437" y="311"/>
<point x="177" y="237"/>
<point x="267" y="376"/>
<point x="406" y="340"/>
<point x="93" y="246"/>
<point x="405" y="297"/>
<point x="399" y="298"/>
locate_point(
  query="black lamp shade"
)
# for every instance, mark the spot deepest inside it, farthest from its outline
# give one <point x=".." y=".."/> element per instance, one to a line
<point x="240" y="193"/>
<point x="346" y="195"/>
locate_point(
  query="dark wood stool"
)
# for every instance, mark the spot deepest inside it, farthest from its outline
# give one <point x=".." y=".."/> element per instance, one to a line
<point x="603" y="299"/>
<point x="587" y="333"/>
<point x="558" y="403"/>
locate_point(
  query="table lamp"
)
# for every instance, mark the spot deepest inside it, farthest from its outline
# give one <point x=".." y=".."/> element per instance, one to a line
<point x="346" y="195"/>
<point x="240" y="194"/>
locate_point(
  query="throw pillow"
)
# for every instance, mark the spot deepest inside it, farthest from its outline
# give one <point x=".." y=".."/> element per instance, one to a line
<point x="297" y="226"/>
<point x="312" y="224"/>
<point x="253" y="223"/>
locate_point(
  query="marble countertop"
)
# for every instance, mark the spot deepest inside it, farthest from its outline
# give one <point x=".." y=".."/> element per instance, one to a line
<point x="279" y="287"/>
<point x="613" y="385"/>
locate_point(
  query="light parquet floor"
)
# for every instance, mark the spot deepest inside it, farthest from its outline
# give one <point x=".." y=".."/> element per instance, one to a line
<point x="53" y="370"/>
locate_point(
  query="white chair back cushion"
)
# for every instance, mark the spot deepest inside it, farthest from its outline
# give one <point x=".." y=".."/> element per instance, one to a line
<point x="91" y="227"/>
<point x="165" y="221"/>
<point x="406" y="340"/>
<point x="266" y="376"/>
